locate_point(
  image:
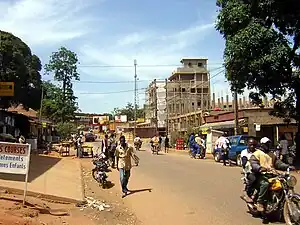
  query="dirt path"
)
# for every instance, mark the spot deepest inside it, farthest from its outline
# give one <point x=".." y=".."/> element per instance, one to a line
<point x="38" y="211"/>
<point x="117" y="212"/>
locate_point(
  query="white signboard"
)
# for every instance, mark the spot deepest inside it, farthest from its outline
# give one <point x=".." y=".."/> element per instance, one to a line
<point x="14" y="159"/>
<point x="121" y="119"/>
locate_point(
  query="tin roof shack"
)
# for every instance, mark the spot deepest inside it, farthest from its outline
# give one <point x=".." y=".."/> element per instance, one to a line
<point x="254" y="122"/>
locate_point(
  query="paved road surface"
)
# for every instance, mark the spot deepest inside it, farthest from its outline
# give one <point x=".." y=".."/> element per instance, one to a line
<point x="185" y="192"/>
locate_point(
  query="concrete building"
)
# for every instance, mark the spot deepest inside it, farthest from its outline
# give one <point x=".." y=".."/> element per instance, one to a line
<point x="155" y="107"/>
<point x="188" y="90"/>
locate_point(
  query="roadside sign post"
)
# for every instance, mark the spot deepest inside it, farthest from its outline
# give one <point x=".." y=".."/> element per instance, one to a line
<point x="7" y="89"/>
<point x="15" y="159"/>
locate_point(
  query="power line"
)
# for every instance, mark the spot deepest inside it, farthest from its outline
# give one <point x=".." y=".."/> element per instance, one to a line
<point x="103" y="82"/>
<point x="115" y="82"/>
<point x="128" y="66"/>
<point x="112" y="92"/>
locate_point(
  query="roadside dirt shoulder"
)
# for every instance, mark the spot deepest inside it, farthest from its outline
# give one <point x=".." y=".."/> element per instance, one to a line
<point x="115" y="211"/>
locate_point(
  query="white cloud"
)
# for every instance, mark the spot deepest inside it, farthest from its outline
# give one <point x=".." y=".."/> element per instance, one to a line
<point x="44" y="21"/>
<point x="149" y="48"/>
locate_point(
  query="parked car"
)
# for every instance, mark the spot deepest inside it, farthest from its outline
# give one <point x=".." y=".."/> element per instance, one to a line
<point x="90" y="137"/>
<point x="238" y="144"/>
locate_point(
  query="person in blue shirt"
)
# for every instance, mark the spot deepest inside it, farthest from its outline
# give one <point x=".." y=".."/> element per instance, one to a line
<point x="195" y="148"/>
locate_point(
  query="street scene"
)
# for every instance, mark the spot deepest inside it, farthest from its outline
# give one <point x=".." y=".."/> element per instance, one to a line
<point x="123" y="112"/>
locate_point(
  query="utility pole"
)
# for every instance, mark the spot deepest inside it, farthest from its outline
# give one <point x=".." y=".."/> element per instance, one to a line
<point x="167" y="110"/>
<point x="236" y="113"/>
<point x="135" y="98"/>
<point x="155" y="105"/>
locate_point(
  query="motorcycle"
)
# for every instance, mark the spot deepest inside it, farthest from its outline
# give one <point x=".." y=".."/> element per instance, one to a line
<point x="155" y="149"/>
<point x="100" y="170"/>
<point x="282" y="200"/>
<point x="138" y="145"/>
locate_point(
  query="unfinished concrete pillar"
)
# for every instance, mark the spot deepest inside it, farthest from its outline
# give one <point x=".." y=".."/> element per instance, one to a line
<point x="222" y="102"/>
<point x="214" y="101"/>
<point x="227" y="102"/>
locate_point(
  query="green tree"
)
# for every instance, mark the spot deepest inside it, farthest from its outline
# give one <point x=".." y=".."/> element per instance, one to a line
<point x="63" y="65"/>
<point x="54" y="106"/>
<point x="129" y="112"/>
<point x="19" y="65"/>
<point x="262" y="51"/>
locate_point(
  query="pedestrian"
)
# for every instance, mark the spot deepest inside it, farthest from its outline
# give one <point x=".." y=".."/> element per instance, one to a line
<point x="104" y="146"/>
<point x="112" y="143"/>
<point x="284" y="148"/>
<point x="124" y="153"/>
<point x="167" y="144"/>
<point x="79" y="146"/>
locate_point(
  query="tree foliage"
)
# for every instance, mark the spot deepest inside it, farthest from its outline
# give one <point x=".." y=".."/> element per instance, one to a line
<point x="53" y="105"/>
<point x="65" y="129"/>
<point x="63" y="66"/>
<point x="19" y="65"/>
<point x="129" y="112"/>
<point x="262" y="49"/>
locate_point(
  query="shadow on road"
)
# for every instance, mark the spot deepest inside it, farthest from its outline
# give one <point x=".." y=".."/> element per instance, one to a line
<point x="139" y="190"/>
<point x="38" y="166"/>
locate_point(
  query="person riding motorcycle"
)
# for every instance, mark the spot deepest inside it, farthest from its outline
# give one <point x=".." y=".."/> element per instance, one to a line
<point x="195" y="148"/>
<point x="155" y="142"/>
<point x="137" y="141"/>
<point x="263" y="161"/>
<point x="247" y="170"/>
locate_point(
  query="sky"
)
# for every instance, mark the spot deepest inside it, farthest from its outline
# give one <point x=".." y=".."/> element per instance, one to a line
<point x="107" y="35"/>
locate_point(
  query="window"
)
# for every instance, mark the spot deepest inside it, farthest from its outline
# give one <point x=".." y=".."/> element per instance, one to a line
<point x="234" y="141"/>
<point x="200" y="64"/>
<point x="192" y="90"/>
<point x="193" y="103"/>
<point x="183" y="89"/>
<point x="199" y="104"/>
<point x="189" y="64"/>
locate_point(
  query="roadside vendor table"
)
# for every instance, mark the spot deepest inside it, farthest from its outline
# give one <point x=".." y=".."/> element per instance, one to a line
<point x="65" y="148"/>
<point x="87" y="150"/>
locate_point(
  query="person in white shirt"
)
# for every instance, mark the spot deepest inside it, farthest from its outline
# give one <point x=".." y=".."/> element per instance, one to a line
<point x="284" y="148"/>
<point x="223" y="144"/>
<point x="247" y="169"/>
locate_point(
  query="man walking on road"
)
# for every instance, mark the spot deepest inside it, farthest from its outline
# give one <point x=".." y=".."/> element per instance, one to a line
<point x="124" y="153"/>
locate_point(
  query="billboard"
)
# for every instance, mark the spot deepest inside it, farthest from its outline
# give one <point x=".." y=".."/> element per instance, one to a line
<point x="100" y="120"/>
<point x="121" y="119"/>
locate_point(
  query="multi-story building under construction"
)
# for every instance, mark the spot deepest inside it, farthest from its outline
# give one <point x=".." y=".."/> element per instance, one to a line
<point x="155" y="107"/>
<point x="188" y="88"/>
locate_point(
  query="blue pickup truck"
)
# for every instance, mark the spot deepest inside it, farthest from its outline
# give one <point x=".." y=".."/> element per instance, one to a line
<point x="238" y="144"/>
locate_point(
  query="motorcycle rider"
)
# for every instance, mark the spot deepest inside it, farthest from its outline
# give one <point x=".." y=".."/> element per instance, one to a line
<point x="155" y="142"/>
<point x="251" y="178"/>
<point x="195" y="148"/>
<point x="223" y="144"/>
<point x="137" y="141"/>
<point x="264" y="161"/>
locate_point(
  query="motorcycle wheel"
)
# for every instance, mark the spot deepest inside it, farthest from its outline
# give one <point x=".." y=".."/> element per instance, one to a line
<point x="287" y="215"/>
<point x="94" y="173"/>
<point x="252" y="210"/>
